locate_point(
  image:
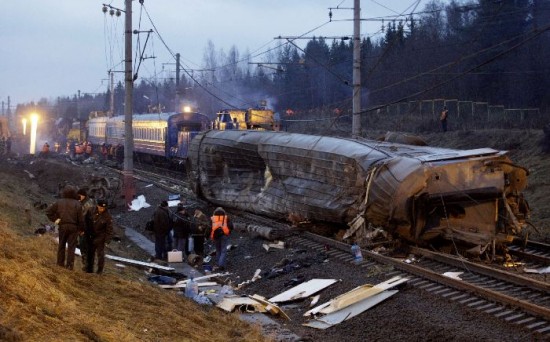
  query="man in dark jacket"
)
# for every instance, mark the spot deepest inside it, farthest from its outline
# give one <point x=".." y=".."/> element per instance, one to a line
<point x="182" y="225"/>
<point x="71" y="223"/>
<point x="162" y="225"/>
<point x="85" y="238"/>
<point x="102" y="233"/>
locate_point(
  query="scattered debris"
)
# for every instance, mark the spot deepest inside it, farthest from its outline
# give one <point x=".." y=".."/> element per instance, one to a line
<point x="162" y="280"/>
<point x="45" y="228"/>
<point x="537" y="270"/>
<point x="314" y="300"/>
<point x="31" y="176"/>
<point x="175" y="256"/>
<point x="138" y="203"/>
<point x="254" y="278"/>
<point x="278" y="245"/>
<point x="270" y="307"/>
<point x="453" y="275"/>
<point x="182" y="283"/>
<point x="355" y="295"/>
<point x="244" y="304"/>
<point x="140" y="263"/>
<point x="350" y="311"/>
<point x="263" y="231"/>
<point x="303" y="290"/>
<point x="513" y="264"/>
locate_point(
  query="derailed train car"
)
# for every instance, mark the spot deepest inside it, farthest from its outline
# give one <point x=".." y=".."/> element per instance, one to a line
<point x="419" y="193"/>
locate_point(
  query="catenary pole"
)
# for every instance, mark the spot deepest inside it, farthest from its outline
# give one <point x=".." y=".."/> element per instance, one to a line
<point x="177" y="101"/>
<point x="112" y="97"/>
<point x="127" y="173"/>
<point x="356" y="121"/>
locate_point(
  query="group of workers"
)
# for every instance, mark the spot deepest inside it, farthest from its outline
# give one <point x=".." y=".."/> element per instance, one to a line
<point x="86" y="223"/>
<point x="187" y="233"/>
<point x="82" y="222"/>
<point x="85" y="149"/>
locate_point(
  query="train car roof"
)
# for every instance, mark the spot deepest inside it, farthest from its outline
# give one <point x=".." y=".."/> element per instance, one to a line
<point x="145" y="117"/>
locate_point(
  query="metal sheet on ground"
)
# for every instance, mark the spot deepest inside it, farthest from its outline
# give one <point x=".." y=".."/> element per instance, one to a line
<point x="355" y="295"/>
<point x="351" y="311"/>
<point x="303" y="290"/>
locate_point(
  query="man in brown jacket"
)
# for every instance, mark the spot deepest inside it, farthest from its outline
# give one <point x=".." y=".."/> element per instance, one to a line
<point x="68" y="211"/>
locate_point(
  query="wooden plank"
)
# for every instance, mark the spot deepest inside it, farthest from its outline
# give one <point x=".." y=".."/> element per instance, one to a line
<point x="349" y="312"/>
<point x="303" y="290"/>
<point x="182" y="283"/>
<point x="182" y="286"/>
<point x="140" y="263"/>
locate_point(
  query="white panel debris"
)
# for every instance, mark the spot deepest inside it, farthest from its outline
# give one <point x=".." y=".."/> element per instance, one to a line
<point x="303" y="290"/>
<point x="357" y="294"/>
<point x="138" y="203"/>
<point x="351" y="311"/>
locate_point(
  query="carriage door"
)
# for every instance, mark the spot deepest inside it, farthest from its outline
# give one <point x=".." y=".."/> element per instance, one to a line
<point x="184" y="138"/>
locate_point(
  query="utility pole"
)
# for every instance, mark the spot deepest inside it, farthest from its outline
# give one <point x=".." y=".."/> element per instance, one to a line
<point x="128" y="177"/>
<point x="11" y="125"/>
<point x="356" y="122"/>
<point x="80" y="126"/>
<point x="112" y="97"/>
<point x="177" y="101"/>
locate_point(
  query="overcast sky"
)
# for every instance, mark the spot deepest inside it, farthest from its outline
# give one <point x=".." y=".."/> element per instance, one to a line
<point x="55" y="48"/>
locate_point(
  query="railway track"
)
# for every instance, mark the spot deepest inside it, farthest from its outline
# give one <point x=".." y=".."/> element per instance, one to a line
<point x="515" y="299"/>
<point x="535" y="254"/>
<point x="511" y="297"/>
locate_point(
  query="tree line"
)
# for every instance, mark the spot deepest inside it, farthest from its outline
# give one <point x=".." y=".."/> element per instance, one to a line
<point x="485" y="50"/>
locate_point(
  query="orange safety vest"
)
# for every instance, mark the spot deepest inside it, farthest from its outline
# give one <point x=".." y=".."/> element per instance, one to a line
<point x="219" y="221"/>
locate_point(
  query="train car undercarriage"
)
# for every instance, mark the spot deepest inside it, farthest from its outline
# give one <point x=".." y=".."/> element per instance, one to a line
<point x="417" y="193"/>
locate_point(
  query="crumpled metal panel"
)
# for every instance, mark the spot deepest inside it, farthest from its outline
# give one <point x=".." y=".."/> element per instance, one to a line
<point x="418" y="192"/>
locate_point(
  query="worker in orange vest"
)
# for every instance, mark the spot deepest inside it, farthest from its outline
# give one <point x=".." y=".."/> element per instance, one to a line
<point x="221" y="228"/>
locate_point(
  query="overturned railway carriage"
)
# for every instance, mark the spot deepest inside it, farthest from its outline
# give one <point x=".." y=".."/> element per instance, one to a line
<point x="416" y="192"/>
<point x="163" y="135"/>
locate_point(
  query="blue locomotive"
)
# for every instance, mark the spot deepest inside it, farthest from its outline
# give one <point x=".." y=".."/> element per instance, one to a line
<point x="159" y="135"/>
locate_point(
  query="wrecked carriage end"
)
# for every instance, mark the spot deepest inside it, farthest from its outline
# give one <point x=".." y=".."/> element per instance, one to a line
<point x="472" y="198"/>
<point x="415" y="192"/>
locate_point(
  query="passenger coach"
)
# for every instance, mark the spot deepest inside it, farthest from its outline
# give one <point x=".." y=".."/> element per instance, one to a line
<point x="162" y="135"/>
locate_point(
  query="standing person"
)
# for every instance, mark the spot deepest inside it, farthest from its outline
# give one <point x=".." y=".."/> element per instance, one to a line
<point x="199" y="227"/>
<point x="102" y="233"/>
<point x="162" y="226"/>
<point x="221" y="228"/>
<point x="2" y="145"/>
<point x="45" y="150"/>
<point x="443" y="118"/>
<point x="68" y="211"/>
<point x="8" y="145"/>
<point x="85" y="238"/>
<point x="182" y="226"/>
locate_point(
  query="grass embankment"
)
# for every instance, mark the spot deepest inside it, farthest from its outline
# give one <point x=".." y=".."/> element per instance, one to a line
<point x="40" y="301"/>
